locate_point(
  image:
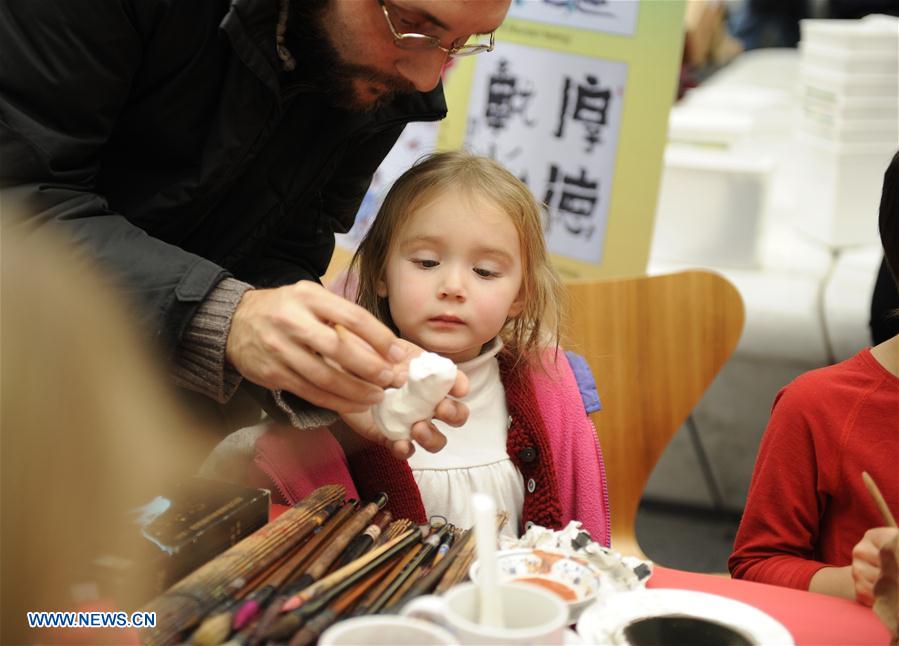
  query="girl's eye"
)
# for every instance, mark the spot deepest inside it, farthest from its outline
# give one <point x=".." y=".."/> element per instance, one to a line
<point x="425" y="264"/>
<point x="485" y="273"/>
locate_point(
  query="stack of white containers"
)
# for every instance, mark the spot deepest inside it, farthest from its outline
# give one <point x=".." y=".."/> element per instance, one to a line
<point x="847" y="125"/>
<point x="723" y="140"/>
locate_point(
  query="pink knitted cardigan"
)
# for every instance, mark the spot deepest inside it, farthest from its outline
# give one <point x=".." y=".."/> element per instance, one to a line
<point x="549" y="420"/>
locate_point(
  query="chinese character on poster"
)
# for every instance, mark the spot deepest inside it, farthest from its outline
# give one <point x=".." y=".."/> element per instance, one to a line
<point x="553" y="119"/>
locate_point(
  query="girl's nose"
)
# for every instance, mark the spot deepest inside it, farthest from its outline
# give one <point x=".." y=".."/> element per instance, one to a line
<point x="451" y="287"/>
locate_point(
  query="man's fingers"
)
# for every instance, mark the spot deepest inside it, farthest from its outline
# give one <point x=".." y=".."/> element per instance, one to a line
<point x="336" y="309"/>
<point x="352" y="351"/>
<point x="316" y="370"/>
<point x="358" y="358"/>
<point x="304" y="389"/>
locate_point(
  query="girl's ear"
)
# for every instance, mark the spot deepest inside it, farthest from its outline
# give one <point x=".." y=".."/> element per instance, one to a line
<point x="517" y="306"/>
<point x="382" y="288"/>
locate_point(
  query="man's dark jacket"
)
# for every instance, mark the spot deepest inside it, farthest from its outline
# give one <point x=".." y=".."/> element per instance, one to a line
<point x="159" y="133"/>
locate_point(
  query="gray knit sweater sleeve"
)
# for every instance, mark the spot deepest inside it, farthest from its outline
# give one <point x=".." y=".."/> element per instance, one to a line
<point x="199" y="363"/>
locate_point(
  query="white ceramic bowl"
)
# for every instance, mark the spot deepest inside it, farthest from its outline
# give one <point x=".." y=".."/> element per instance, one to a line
<point x="575" y="580"/>
<point x="607" y="621"/>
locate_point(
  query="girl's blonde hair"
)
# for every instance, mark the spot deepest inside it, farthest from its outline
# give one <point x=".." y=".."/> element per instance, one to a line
<point x="539" y="322"/>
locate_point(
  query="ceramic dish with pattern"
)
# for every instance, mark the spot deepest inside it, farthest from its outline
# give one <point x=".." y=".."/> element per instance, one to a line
<point x="641" y="617"/>
<point x="573" y="579"/>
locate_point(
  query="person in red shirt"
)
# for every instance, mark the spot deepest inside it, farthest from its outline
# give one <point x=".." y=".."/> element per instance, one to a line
<point x="808" y="510"/>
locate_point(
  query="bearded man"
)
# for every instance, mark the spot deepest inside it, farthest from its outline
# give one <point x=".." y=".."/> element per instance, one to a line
<point x="206" y="152"/>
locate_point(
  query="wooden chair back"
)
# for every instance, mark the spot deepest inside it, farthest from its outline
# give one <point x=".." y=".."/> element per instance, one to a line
<point x="654" y="344"/>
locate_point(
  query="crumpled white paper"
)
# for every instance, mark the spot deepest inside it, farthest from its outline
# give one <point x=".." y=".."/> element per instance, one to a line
<point x="624" y="572"/>
<point x="430" y="379"/>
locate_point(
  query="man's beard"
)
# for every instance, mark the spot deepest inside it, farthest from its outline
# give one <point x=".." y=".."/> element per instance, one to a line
<point x="353" y="87"/>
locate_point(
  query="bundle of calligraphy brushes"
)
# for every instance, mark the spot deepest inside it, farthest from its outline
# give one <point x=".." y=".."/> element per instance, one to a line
<point x="318" y="596"/>
<point x="243" y="608"/>
<point x="297" y="578"/>
<point x="338" y="561"/>
<point x="192" y="598"/>
<point x="264" y="597"/>
<point x="458" y="568"/>
<point x="328" y="550"/>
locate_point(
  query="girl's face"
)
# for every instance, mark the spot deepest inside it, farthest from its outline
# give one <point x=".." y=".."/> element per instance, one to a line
<point x="454" y="274"/>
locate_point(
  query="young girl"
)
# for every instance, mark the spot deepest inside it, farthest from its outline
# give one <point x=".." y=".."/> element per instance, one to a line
<point x="456" y="263"/>
<point x="807" y="518"/>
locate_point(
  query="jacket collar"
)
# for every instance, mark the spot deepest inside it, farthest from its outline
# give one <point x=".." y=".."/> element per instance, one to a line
<point x="250" y="26"/>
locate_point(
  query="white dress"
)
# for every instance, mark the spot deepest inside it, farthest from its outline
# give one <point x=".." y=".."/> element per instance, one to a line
<point x="474" y="458"/>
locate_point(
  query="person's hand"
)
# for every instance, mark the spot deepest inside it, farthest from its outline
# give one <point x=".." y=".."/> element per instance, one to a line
<point x="866" y="561"/>
<point x="424" y="432"/>
<point x="285" y="338"/>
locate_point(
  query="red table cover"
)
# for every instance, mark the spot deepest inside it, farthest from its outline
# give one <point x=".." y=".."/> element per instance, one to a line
<point x="813" y="619"/>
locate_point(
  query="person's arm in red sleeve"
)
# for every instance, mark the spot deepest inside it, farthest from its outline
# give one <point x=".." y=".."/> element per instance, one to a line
<point x="780" y="526"/>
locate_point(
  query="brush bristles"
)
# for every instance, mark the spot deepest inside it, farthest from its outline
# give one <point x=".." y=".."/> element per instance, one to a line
<point x="213" y="630"/>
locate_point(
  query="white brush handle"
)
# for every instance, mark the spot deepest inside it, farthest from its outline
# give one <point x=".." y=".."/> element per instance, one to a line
<point x="491" y="609"/>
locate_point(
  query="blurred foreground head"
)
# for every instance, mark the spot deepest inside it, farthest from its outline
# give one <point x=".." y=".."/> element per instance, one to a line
<point x="889" y="217"/>
<point x="88" y="427"/>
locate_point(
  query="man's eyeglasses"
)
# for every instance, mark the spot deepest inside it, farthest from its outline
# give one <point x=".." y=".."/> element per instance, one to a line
<point x="405" y="40"/>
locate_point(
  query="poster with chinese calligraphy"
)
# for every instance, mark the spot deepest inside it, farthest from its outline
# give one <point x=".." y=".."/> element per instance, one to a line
<point x="557" y="132"/>
<point x="610" y="16"/>
<point x="579" y="110"/>
<point x="574" y="100"/>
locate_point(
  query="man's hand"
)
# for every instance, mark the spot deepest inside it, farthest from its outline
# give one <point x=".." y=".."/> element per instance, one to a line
<point x="866" y="561"/>
<point x="284" y="338"/>
<point x="424" y="432"/>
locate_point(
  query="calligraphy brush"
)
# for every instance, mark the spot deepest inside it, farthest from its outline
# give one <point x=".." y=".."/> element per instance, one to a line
<point x="459" y="570"/>
<point x="252" y="606"/>
<point x="189" y="600"/>
<point x="342" y="538"/>
<point x="408" y="542"/>
<point x="239" y="638"/>
<point x="445" y="545"/>
<point x="214" y="632"/>
<point x="426" y="565"/>
<point x="428" y="581"/>
<point x="244" y="622"/>
<point x="290" y="622"/>
<point x="324" y="584"/>
<point x="878" y="500"/>
<point x="219" y="623"/>
<point x="306" y="554"/>
<point x="332" y="550"/>
<point x="429" y="547"/>
<point x="364" y="608"/>
<point x="365" y="540"/>
<point x="275" y="608"/>
<point x="215" y="627"/>
<point x="397" y="527"/>
<point x="311" y="631"/>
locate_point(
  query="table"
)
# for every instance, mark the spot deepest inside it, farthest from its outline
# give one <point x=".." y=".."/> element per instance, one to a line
<point x="812" y="618"/>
